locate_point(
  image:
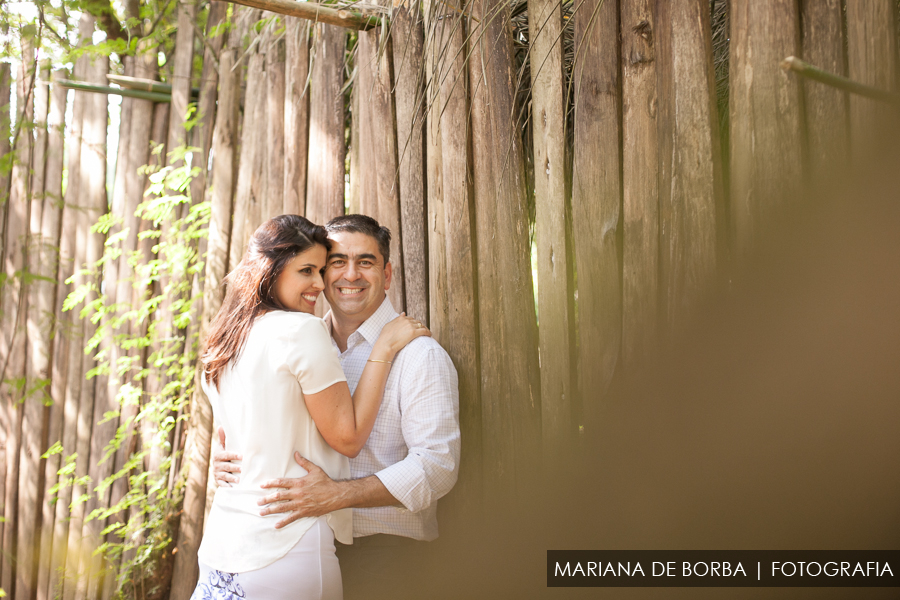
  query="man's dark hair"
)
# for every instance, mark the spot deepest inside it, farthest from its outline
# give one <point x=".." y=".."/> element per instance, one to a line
<point x="366" y="225"/>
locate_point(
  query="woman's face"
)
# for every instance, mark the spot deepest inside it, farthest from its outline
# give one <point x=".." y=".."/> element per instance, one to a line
<point x="300" y="283"/>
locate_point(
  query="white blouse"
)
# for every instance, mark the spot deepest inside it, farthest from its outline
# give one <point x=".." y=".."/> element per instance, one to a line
<point x="260" y="405"/>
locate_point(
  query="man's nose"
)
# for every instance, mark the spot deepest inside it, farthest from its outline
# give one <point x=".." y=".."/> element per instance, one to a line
<point x="351" y="274"/>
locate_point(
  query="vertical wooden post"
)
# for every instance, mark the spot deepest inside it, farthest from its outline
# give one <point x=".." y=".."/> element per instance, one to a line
<point x="555" y="294"/>
<point x="765" y="104"/>
<point x="640" y="186"/>
<point x="190" y="530"/>
<point x="408" y="47"/>
<point x="353" y="199"/>
<point x="84" y="537"/>
<point x="438" y="307"/>
<point x="596" y="201"/>
<point x="510" y="378"/>
<point x="690" y="175"/>
<point x="15" y="308"/>
<point x="362" y="123"/>
<point x="5" y="134"/>
<point x="461" y="341"/>
<point x="325" y="175"/>
<point x="275" y="76"/>
<point x="53" y="255"/>
<point x="251" y="171"/>
<point x="872" y="60"/>
<point x="296" y="116"/>
<point x="35" y="419"/>
<point x="181" y="73"/>
<point x="826" y="107"/>
<point x="68" y="348"/>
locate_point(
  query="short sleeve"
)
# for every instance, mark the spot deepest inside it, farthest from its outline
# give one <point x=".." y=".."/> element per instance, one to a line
<point x="311" y="357"/>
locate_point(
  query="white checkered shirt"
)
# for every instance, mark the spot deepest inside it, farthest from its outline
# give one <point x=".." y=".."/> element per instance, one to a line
<point x="414" y="446"/>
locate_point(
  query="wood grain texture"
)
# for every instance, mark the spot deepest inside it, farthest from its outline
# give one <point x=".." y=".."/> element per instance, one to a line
<point x="510" y="379"/>
<point x="275" y="82"/>
<point x="438" y="307"/>
<point x="296" y="116"/>
<point x="408" y="42"/>
<point x="596" y="203"/>
<point x="765" y="104"/>
<point x="872" y="60"/>
<point x="640" y="182"/>
<point x="459" y="234"/>
<point x="826" y="108"/>
<point x="51" y="229"/>
<point x="556" y="307"/>
<point x="325" y="175"/>
<point x="20" y="513"/>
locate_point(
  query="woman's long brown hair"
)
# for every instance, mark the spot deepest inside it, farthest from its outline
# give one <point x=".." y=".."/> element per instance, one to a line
<point x="251" y="287"/>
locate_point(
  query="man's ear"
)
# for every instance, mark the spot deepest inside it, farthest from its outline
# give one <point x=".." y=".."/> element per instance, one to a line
<point x="388" y="270"/>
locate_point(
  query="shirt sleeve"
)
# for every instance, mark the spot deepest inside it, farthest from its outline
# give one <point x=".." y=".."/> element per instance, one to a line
<point x="430" y="426"/>
<point x="310" y="356"/>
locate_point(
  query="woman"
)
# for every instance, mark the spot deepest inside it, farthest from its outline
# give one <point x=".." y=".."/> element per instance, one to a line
<point x="276" y="386"/>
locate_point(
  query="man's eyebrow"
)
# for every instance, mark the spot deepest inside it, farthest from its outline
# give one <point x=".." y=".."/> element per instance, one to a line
<point x="369" y="256"/>
<point x="337" y="255"/>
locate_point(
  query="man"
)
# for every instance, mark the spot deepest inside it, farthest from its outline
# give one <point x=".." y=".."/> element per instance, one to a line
<point x="412" y="456"/>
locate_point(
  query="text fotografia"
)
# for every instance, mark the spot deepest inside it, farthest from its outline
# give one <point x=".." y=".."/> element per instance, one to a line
<point x="723" y="568"/>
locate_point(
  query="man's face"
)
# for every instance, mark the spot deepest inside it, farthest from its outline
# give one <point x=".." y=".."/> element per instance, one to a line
<point x="356" y="277"/>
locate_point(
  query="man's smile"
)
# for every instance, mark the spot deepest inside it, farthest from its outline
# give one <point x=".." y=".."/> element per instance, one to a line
<point x="345" y="291"/>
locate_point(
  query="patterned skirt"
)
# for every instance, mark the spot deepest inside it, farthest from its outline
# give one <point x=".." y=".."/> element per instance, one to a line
<point x="309" y="571"/>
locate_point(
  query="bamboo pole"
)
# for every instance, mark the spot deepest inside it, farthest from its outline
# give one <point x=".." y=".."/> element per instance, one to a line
<point x="84" y="536"/>
<point x="872" y="61"/>
<point x="510" y="378"/>
<point x="54" y="257"/>
<point x="36" y="414"/>
<point x="640" y="187"/>
<point x="438" y="309"/>
<point x="317" y="13"/>
<point x="151" y="85"/>
<point x="461" y="341"/>
<point x="408" y="55"/>
<point x="15" y="309"/>
<point x="596" y="202"/>
<point x="325" y="179"/>
<point x="275" y="97"/>
<point x="690" y="172"/>
<point x="105" y="89"/>
<point x="296" y="117"/>
<point x="765" y="106"/>
<point x="808" y="71"/>
<point x="552" y="224"/>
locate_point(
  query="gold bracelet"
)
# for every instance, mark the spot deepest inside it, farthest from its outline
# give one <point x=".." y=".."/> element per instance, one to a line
<point x="387" y="362"/>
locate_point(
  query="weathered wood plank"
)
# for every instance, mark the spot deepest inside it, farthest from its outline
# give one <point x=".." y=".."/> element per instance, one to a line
<point x="826" y="108"/>
<point x="51" y="226"/>
<point x="84" y="536"/>
<point x="408" y="47"/>
<point x="871" y="60"/>
<point x="510" y="379"/>
<point x="39" y="299"/>
<point x="296" y="117"/>
<point x="640" y="186"/>
<point x="5" y="136"/>
<point x="459" y="234"/>
<point x="325" y="179"/>
<point x="275" y="82"/>
<point x="596" y="203"/>
<point x="555" y="286"/>
<point x="765" y="104"/>
<point x="438" y="308"/>
<point x="14" y="307"/>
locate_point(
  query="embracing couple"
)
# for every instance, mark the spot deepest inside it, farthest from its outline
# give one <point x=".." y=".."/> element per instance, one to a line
<point x="356" y="411"/>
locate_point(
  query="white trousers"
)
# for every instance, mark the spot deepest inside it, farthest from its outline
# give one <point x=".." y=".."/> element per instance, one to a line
<point x="310" y="571"/>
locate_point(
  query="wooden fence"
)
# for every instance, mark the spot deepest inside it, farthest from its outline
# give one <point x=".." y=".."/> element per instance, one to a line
<point x="590" y="130"/>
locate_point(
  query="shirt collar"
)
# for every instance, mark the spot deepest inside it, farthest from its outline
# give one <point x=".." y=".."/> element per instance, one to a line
<point x="371" y="327"/>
